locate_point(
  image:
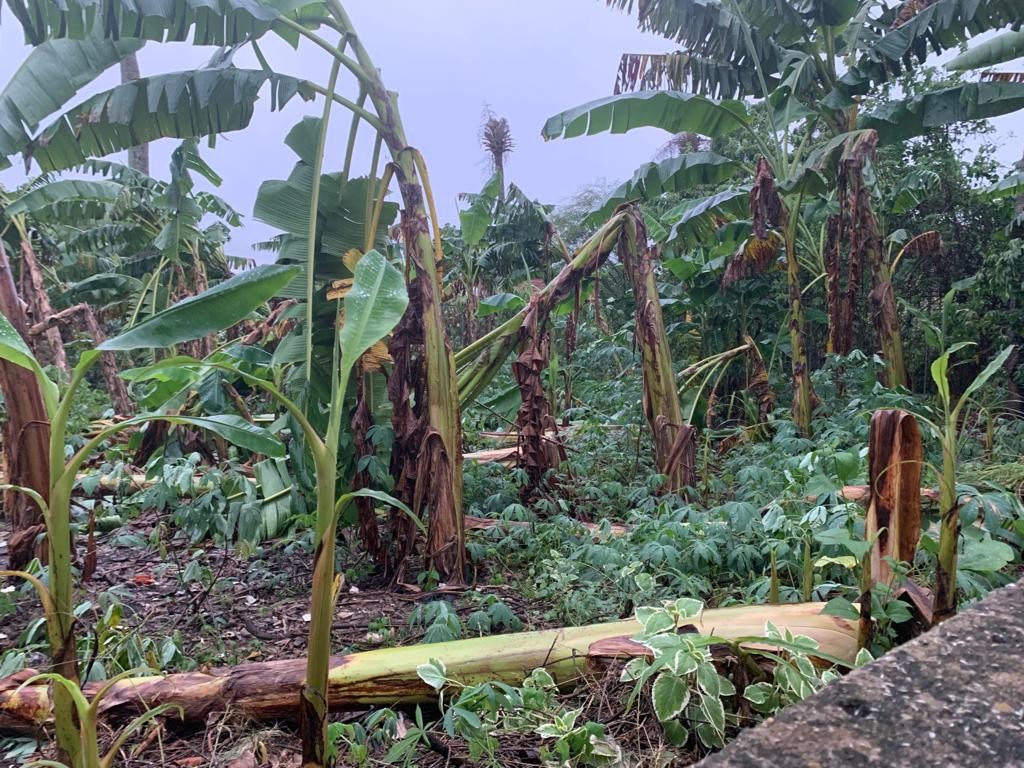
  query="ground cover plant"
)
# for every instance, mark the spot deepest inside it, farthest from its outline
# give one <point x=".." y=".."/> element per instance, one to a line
<point x="702" y="442"/>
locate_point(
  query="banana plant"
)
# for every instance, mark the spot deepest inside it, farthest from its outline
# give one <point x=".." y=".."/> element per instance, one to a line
<point x="216" y="309"/>
<point x="87" y="712"/>
<point x="221" y="97"/>
<point x="372" y="306"/>
<point x="947" y="432"/>
<point x="810" y="65"/>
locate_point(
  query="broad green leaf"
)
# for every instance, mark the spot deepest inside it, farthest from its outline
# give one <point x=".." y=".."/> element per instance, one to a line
<point x="385" y="498"/>
<point x="841" y="607"/>
<point x="688" y="607"/>
<point x="13" y="349"/>
<point x="841" y="537"/>
<point x="500" y="302"/>
<point x="373" y="308"/>
<point x="990" y="370"/>
<point x="713" y="708"/>
<point x="658" y="621"/>
<point x="985" y="555"/>
<point x="913" y="189"/>
<point x="847" y="464"/>
<point x="1001" y="48"/>
<point x="205" y="22"/>
<point x="213" y="310"/>
<point x="713" y="29"/>
<point x="683" y="662"/>
<point x="937" y="26"/>
<point x="475" y="219"/>
<point x="68" y="200"/>
<point x="234" y="429"/>
<point x="1011" y="186"/>
<point x="939" y="367"/>
<point x="676" y="733"/>
<point x="707" y="679"/>
<point x="676" y="174"/>
<point x="432" y="673"/>
<point x="182" y="105"/>
<point x="672" y="111"/>
<point x="758" y="693"/>
<point x="696" y="221"/>
<point x="50" y="75"/>
<point x="915" y="116"/>
<point x="273" y="478"/>
<point x="670" y="695"/>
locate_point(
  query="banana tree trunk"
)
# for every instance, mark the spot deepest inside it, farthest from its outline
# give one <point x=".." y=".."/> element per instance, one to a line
<point x="138" y="156"/>
<point x="540" y="448"/>
<point x="945" y="602"/>
<point x="675" y="442"/>
<point x="428" y="443"/>
<point x="895" y="457"/>
<point x="108" y="364"/>
<point x="40" y="308"/>
<point x="26" y="436"/>
<point x="886" y="319"/>
<point x="866" y="240"/>
<point x="268" y="691"/>
<point x="803" y="392"/>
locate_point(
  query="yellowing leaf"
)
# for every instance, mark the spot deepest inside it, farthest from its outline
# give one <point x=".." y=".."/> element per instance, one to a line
<point x="375" y="357"/>
<point x="339" y="288"/>
<point x="351" y="258"/>
<point x="846" y="561"/>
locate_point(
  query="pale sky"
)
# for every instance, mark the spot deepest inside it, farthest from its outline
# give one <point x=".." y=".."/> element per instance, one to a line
<point x="527" y="59"/>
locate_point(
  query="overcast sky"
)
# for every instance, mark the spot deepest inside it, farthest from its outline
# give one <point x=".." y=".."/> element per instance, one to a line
<point x="526" y="59"/>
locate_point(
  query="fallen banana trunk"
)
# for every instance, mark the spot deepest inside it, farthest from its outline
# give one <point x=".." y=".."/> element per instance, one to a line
<point x="386" y="677"/>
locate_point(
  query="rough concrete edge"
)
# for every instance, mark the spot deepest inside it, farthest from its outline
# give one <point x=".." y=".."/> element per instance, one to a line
<point x="847" y="723"/>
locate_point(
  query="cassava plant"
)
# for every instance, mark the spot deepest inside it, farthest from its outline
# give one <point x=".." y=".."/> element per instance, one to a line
<point x="197" y="317"/>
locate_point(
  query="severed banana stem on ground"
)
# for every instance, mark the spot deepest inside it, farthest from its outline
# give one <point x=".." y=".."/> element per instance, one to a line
<point x="387" y="677"/>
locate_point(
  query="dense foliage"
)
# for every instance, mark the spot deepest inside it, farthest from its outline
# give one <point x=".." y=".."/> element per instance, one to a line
<point x="664" y="390"/>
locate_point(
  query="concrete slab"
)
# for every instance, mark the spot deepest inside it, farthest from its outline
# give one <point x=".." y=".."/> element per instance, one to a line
<point x="952" y="697"/>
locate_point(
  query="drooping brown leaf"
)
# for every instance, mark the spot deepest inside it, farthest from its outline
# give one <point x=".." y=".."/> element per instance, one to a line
<point x="758" y="383"/>
<point x="339" y="289"/>
<point x="926" y="244"/>
<point x="674" y="439"/>
<point x="855" y="232"/>
<point x="754" y="257"/>
<point x="765" y="203"/>
<point x="1002" y="77"/>
<point x="538" y="453"/>
<point x="909" y="10"/>
<point x="650" y="71"/>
